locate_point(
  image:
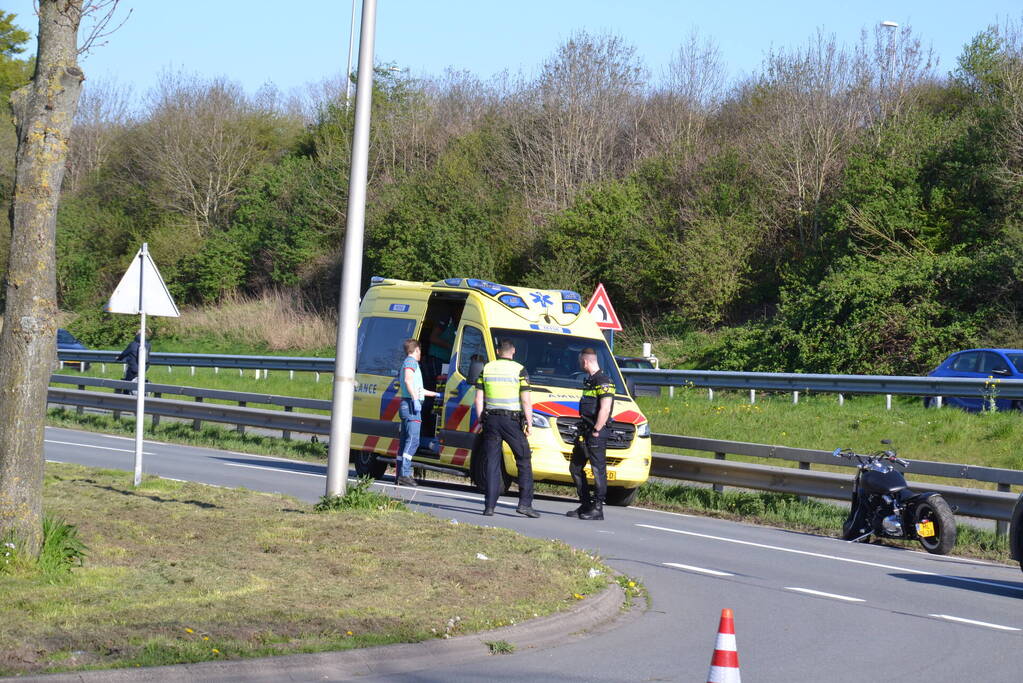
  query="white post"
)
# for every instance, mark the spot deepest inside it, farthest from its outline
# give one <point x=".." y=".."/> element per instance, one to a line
<point x="646" y="349"/>
<point x="710" y="393"/>
<point x="342" y="401"/>
<point x="671" y="392"/>
<point x="888" y="401"/>
<point x="752" y="396"/>
<point x="216" y="371"/>
<point x="291" y="374"/>
<point x="937" y="401"/>
<point x="140" y="394"/>
<point x="317" y="376"/>
<point x="192" y="368"/>
<point x="103" y="368"/>
<point x="841" y="400"/>
<point x="795" y="397"/>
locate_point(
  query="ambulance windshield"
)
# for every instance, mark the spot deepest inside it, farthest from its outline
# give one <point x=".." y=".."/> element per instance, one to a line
<point x="553" y="359"/>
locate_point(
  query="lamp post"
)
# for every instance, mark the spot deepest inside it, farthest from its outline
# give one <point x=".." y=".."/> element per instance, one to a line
<point x="891" y="57"/>
<point x="351" y="270"/>
<point x="348" y="71"/>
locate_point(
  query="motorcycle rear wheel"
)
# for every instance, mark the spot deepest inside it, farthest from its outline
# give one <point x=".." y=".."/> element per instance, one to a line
<point x="936" y="510"/>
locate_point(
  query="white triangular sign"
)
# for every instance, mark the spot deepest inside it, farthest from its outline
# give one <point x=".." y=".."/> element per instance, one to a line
<point x="142" y="290"/>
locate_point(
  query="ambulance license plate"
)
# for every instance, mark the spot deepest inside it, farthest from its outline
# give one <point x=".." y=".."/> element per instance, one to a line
<point x="925" y="529"/>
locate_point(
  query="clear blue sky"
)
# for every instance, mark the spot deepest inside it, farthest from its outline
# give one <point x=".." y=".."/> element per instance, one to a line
<point x="295" y="43"/>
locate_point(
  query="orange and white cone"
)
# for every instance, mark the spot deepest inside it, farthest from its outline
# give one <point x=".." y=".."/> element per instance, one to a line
<point x="724" y="666"/>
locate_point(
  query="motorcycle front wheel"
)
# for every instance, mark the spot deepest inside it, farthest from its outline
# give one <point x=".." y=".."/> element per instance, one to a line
<point x="937" y="511"/>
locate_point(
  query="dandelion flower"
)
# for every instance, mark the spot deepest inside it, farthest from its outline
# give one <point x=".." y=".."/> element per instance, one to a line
<point x="188" y="630"/>
<point x="348" y="633"/>
<point x="215" y="651"/>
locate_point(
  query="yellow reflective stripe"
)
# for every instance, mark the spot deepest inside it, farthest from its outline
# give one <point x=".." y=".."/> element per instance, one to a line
<point x="500" y="379"/>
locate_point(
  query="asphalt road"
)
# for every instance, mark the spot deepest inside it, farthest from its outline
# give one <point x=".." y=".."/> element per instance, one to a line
<point x="807" y="608"/>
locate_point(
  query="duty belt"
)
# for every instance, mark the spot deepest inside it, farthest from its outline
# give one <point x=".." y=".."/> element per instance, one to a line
<point x="502" y="411"/>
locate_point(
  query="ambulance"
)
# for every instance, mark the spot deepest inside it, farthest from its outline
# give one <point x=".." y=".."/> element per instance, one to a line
<point x="458" y="322"/>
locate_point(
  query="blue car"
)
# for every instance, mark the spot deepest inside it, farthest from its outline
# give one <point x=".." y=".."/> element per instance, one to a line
<point x="67" y="342"/>
<point x="981" y="364"/>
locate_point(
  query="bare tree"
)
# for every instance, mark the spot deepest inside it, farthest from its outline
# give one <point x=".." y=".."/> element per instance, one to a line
<point x="801" y="115"/>
<point x="104" y="113"/>
<point x="573" y="125"/>
<point x="200" y="140"/>
<point x="43" y="112"/>
<point x="690" y="94"/>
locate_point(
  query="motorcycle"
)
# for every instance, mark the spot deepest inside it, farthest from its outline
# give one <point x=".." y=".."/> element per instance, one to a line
<point x="884" y="506"/>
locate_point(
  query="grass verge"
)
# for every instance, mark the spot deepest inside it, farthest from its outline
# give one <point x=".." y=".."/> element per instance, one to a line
<point x="180" y="572"/>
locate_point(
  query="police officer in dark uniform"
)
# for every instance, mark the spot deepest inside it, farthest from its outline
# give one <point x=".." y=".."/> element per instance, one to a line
<point x="505" y="408"/>
<point x="595" y="408"/>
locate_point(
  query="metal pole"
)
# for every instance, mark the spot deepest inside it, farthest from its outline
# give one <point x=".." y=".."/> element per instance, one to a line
<point x="140" y="393"/>
<point x="348" y="71"/>
<point x="351" y="272"/>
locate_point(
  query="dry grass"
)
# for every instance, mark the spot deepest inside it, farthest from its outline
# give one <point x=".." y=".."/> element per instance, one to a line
<point x="180" y="572"/>
<point x="274" y="319"/>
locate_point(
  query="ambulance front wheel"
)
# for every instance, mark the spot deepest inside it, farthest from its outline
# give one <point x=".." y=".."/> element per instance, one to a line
<point x="619" y="495"/>
<point x="368" y="465"/>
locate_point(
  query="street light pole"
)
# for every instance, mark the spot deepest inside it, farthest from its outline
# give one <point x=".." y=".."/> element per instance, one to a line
<point x="351" y="270"/>
<point x="891" y="57"/>
<point x="348" y="71"/>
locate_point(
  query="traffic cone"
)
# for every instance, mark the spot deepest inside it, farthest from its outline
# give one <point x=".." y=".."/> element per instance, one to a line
<point x="724" y="666"/>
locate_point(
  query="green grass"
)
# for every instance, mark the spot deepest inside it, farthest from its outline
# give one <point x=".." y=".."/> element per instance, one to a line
<point x="180" y="572"/>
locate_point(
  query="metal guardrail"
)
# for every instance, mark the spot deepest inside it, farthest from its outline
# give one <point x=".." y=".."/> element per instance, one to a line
<point x="209" y="360"/>
<point x="711" y="379"/>
<point x="840" y="384"/>
<point x="996" y="505"/>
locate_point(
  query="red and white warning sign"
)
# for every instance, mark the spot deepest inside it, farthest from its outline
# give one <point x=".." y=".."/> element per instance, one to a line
<point x="602" y="311"/>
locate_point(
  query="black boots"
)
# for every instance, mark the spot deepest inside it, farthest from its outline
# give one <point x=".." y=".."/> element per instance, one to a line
<point x="594" y="512"/>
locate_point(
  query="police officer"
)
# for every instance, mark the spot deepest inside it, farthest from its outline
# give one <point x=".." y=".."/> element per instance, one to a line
<point x="505" y="408"/>
<point x="595" y="410"/>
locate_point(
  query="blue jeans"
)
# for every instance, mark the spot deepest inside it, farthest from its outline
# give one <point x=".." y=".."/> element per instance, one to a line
<point x="411" y="423"/>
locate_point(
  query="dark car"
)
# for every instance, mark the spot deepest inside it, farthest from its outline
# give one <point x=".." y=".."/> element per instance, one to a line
<point x="981" y="364"/>
<point x="638" y="362"/>
<point x="67" y="342"/>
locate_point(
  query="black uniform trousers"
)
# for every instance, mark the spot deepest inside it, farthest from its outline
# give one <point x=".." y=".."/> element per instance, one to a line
<point x="498" y="428"/>
<point x="593" y="451"/>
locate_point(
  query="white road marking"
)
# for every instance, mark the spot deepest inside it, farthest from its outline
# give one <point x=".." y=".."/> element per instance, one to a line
<point x="822" y="594"/>
<point x="712" y="572"/>
<point x="104" y="448"/>
<point x="973" y="622"/>
<point x="836" y="558"/>
<point x="275" y="469"/>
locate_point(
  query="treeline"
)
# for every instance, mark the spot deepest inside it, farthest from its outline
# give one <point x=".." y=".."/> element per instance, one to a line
<point x="844" y="209"/>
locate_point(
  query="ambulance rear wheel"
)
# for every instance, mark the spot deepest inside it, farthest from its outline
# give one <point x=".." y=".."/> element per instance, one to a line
<point x="619" y="495"/>
<point x="368" y="465"/>
<point x="479" y="481"/>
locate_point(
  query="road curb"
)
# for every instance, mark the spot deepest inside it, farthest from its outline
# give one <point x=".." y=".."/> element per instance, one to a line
<point x="555" y="629"/>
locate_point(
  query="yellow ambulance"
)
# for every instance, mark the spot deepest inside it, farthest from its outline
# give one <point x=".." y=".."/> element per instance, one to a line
<point x="459" y="321"/>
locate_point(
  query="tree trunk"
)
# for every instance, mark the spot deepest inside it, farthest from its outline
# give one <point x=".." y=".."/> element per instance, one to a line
<point x="43" y="112"/>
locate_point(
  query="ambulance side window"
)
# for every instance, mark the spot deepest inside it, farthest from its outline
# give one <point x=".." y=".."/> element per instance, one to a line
<point x="379" y="346"/>
<point x="473" y="353"/>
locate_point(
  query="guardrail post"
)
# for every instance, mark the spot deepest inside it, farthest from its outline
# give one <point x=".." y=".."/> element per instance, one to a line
<point x="60" y="364"/>
<point x="804" y="466"/>
<point x="156" y="418"/>
<point x="937" y="401"/>
<point x="671" y="392"/>
<point x="1001" y="527"/>
<point x="80" y="410"/>
<point x="241" y="428"/>
<point x="888" y="401"/>
<point x="317" y="376"/>
<point x="752" y="396"/>
<point x="710" y="394"/>
<point x="291" y="374"/>
<point x="287" y="433"/>
<point x="718" y="487"/>
<point x="841" y="399"/>
<point x="103" y="368"/>
<point x="197" y="423"/>
<point x="795" y="398"/>
<point x="192" y="368"/>
<point x="216" y="371"/>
